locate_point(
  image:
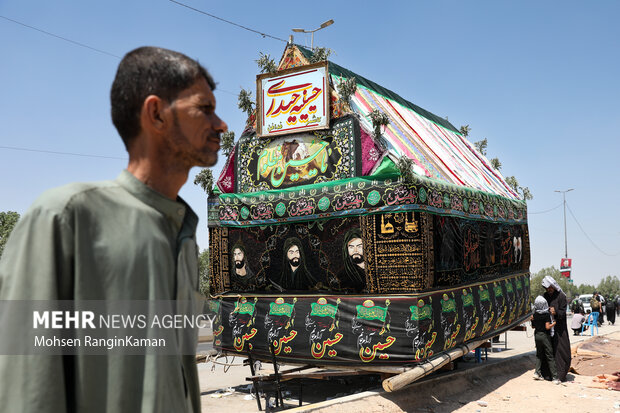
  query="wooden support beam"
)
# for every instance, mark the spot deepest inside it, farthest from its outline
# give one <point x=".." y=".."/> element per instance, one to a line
<point x="401" y="380"/>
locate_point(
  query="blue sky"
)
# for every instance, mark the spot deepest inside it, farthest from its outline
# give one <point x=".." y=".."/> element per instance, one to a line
<point x="539" y="80"/>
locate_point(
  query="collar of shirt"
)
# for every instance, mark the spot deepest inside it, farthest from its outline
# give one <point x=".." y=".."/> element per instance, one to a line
<point x="175" y="211"/>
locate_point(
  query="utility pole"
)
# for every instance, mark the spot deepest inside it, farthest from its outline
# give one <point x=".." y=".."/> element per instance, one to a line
<point x="565" y="238"/>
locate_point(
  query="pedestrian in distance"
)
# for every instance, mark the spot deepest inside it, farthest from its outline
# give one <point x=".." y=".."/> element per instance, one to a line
<point x="595" y="305"/>
<point x="601" y="301"/>
<point x="543" y="323"/>
<point x="132" y="238"/>
<point x="576" y="306"/>
<point x="561" y="342"/>
<point x="610" y="306"/>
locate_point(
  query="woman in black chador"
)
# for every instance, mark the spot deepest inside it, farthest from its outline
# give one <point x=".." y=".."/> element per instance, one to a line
<point x="560" y="340"/>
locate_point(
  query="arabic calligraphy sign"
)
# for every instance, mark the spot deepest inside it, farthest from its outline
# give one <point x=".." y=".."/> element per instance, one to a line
<point x="294" y="100"/>
<point x="355" y="330"/>
<point x="299" y="159"/>
<point x="288" y="161"/>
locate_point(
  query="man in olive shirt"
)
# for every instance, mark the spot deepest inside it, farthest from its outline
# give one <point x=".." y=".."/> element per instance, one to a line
<point x="132" y="238"/>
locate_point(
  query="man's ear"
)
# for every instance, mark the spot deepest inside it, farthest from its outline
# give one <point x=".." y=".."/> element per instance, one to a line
<point x="154" y="114"/>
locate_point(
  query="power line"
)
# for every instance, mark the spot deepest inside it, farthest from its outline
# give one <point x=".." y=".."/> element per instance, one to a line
<point x="587" y="236"/>
<point x="544" y="212"/>
<point x="228" y="21"/>
<point x="61" y="38"/>
<point x="84" y="45"/>
<point x="15" y="148"/>
<point x="226" y="91"/>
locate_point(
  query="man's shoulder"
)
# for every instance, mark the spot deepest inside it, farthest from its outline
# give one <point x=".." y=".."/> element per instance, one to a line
<point x="59" y="199"/>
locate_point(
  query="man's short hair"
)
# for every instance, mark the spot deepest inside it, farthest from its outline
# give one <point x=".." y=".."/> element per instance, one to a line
<point x="238" y="246"/>
<point x="149" y="71"/>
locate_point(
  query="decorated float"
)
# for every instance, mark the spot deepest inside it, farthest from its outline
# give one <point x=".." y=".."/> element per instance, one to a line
<point x="324" y="252"/>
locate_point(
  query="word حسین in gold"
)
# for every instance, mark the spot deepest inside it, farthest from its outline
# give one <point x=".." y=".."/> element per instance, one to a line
<point x="272" y="162"/>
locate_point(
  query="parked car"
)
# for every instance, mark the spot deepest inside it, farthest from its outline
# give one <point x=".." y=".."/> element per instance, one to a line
<point x="585" y="300"/>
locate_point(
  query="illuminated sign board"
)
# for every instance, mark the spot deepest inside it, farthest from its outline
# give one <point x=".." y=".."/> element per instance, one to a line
<point x="293" y="100"/>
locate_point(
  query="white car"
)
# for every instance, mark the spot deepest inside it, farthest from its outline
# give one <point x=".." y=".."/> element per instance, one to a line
<point x="585" y="301"/>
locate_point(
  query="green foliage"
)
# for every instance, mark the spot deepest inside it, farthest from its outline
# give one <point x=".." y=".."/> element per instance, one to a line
<point x="512" y="182"/>
<point x="204" y="179"/>
<point x="203" y="272"/>
<point x="7" y="223"/>
<point x="609" y="285"/>
<point x="405" y="166"/>
<point x="245" y="102"/>
<point x="524" y="192"/>
<point x="320" y="54"/>
<point x="228" y="142"/>
<point x="537" y="289"/>
<point x="346" y="89"/>
<point x="586" y="289"/>
<point x="481" y="145"/>
<point x="465" y="129"/>
<point x="378" y="119"/>
<point x="266" y="64"/>
<point x="496" y="164"/>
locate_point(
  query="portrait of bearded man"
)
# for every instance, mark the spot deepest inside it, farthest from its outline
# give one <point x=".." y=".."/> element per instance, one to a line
<point x="353" y="276"/>
<point x="295" y="274"/>
<point x="242" y="277"/>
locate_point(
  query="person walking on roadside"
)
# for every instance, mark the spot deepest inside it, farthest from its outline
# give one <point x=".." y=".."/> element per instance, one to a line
<point x="543" y="323"/>
<point x="561" y="342"/>
<point x="595" y="305"/>
<point x="610" y="308"/>
<point x="601" y="300"/>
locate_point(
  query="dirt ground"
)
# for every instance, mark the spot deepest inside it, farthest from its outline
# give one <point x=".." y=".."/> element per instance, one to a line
<point x="587" y="360"/>
<point x="504" y="384"/>
<point x="505" y="387"/>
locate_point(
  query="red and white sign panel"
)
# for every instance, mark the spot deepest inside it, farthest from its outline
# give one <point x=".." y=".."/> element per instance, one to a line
<point x="294" y="100"/>
<point x="566" y="265"/>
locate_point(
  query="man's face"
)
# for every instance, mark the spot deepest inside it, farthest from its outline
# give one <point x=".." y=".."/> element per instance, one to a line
<point x="550" y="289"/>
<point x="238" y="257"/>
<point x="356" y="250"/>
<point x="293" y="256"/>
<point x="195" y="136"/>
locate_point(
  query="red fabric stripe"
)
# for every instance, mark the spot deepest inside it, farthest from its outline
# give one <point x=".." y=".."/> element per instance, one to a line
<point x="429" y="148"/>
<point x="440" y="130"/>
<point x="509" y="189"/>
